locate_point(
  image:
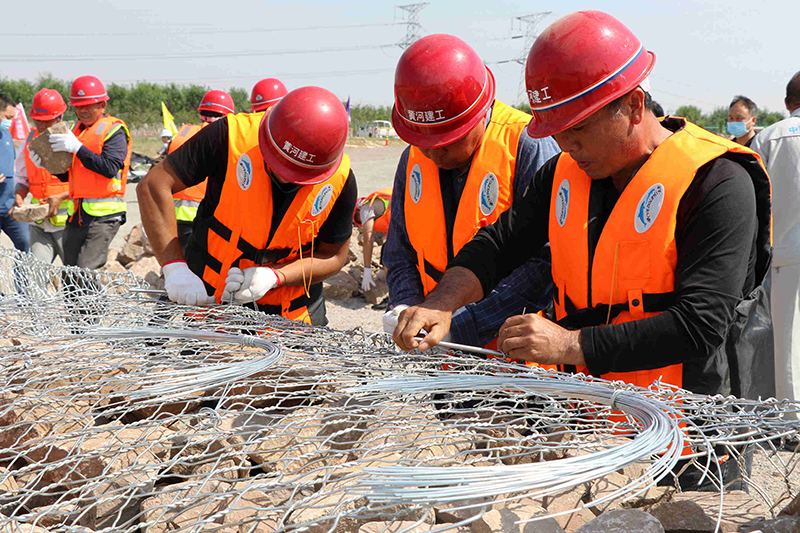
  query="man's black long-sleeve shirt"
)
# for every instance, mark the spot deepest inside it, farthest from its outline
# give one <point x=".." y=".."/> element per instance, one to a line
<point x="716" y="243"/>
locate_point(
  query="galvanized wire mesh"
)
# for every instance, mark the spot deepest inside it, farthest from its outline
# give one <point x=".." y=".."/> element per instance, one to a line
<point x="121" y="412"/>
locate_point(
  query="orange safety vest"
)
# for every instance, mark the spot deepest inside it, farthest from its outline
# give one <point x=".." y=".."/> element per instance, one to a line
<point x="42" y="184"/>
<point x="238" y="231"/>
<point x="382" y="222"/>
<point x="83" y="183"/>
<point x="633" y="269"/>
<point x="191" y="196"/>
<point x="488" y="192"/>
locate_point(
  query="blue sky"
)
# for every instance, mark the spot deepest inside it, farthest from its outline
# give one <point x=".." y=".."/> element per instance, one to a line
<point x="707" y="51"/>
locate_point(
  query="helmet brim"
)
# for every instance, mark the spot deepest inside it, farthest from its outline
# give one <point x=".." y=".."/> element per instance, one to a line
<point x="437" y="136"/>
<point x="572" y="112"/>
<point x="288" y="170"/>
<point x="88" y="101"/>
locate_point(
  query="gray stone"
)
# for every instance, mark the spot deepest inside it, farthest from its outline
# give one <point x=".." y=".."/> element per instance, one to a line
<point x="54" y="162"/>
<point x="738" y="507"/>
<point x="377" y="293"/>
<point x="145" y="266"/>
<point x="793" y="509"/>
<point x="114" y="267"/>
<point x="340" y="287"/>
<point x="135" y="236"/>
<point x="684" y="516"/>
<point x="30" y="212"/>
<point x="130" y="253"/>
<point x="623" y="521"/>
<point x="782" y="524"/>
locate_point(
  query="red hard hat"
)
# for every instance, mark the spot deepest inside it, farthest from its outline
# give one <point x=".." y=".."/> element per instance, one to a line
<point x="47" y="105"/>
<point x="578" y="64"/>
<point x="302" y="137"/>
<point x="442" y="90"/>
<point x="217" y="101"/>
<point x="266" y="94"/>
<point x="87" y="90"/>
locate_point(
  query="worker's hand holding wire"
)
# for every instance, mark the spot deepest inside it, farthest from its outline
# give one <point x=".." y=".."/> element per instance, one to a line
<point x="367" y="281"/>
<point x="418" y="318"/>
<point x="250" y="284"/>
<point x="35" y="159"/>
<point x="65" y="142"/>
<point x="183" y="286"/>
<point x="535" y="338"/>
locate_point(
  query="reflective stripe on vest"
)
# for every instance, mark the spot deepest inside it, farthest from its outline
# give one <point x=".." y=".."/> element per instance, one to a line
<point x="195" y="193"/>
<point x="239" y="230"/>
<point x="60" y="218"/>
<point x="86" y="184"/>
<point x="633" y="268"/>
<point x="186" y="210"/>
<point x="99" y="207"/>
<point x="488" y="192"/>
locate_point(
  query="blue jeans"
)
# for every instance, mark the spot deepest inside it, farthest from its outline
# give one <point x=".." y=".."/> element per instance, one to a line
<point x="17" y="231"/>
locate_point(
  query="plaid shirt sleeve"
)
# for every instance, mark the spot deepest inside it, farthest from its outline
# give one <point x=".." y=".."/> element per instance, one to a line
<point x="399" y="257"/>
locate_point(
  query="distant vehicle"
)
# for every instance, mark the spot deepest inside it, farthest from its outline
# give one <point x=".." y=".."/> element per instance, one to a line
<point x="379" y="128"/>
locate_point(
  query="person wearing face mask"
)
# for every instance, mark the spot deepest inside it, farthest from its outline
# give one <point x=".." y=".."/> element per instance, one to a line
<point x="276" y="218"/>
<point x="214" y="105"/>
<point x="742" y="116"/>
<point x="17" y="231"/>
<point x="469" y="158"/>
<point x="102" y="148"/>
<point x="47" y="236"/>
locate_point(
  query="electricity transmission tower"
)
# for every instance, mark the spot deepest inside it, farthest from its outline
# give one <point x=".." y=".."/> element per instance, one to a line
<point x="528" y="25"/>
<point x="410" y="13"/>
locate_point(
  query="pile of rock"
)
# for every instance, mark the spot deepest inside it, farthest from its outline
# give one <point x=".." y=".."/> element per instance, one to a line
<point x="136" y="257"/>
<point x="347" y="284"/>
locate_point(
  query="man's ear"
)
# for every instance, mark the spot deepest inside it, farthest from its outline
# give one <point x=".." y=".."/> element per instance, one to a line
<point x="637" y="107"/>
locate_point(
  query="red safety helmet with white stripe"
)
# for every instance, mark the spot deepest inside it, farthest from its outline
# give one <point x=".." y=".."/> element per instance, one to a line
<point x="579" y="64"/>
<point x="302" y="137"/>
<point x="266" y="94"/>
<point x="87" y="90"/>
<point x="47" y="105"/>
<point x="442" y="90"/>
<point x="217" y="101"/>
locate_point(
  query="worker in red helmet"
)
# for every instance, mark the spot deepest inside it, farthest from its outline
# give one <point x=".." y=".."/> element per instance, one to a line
<point x="102" y="147"/>
<point x="659" y="232"/>
<point x="469" y="158"/>
<point x="46" y="236"/>
<point x="266" y="93"/>
<point x="276" y="217"/>
<point x="372" y="215"/>
<point x="214" y="105"/>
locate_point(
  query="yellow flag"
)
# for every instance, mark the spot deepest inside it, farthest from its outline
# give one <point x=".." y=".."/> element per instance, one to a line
<point x="169" y="120"/>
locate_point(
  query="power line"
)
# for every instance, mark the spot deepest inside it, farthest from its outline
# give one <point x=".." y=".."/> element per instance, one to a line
<point x="285" y="75"/>
<point x="414" y="29"/>
<point x="214" y="31"/>
<point x="118" y="57"/>
<point x="528" y="24"/>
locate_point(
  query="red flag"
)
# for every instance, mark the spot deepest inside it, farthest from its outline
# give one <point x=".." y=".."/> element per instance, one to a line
<point x="19" y="125"/>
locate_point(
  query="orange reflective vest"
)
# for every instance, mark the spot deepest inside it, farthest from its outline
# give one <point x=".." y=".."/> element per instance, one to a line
<point x="238" y="231"/>
<point x="99" y="195"/>
<point x="42" y="184"/>
<point x="488" y="192"/>
<point x="381" y="222"/>
<point x="633" y="269"/>
<point x="188" y="200"/>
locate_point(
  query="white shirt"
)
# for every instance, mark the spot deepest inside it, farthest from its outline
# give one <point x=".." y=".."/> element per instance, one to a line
<point x="21" y="180"/>
<point x="779" y="147"/>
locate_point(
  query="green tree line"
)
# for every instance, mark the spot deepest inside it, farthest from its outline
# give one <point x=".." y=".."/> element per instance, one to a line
<point x="140" y="103"/>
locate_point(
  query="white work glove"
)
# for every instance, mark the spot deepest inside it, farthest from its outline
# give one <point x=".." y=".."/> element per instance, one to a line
<point x="183" y="286"/>
<point x="35" y="159"/>
<point x="390" y="318"/>
<point x="65" y="142"/>
<point x="367" y="283"/>
<point x="250" y="284"/>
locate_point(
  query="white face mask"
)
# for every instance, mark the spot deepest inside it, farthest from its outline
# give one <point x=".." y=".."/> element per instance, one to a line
<point x="5" y="124"/>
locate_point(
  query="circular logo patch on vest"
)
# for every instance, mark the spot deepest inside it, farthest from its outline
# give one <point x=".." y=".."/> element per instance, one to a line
<point x="244" y="172"/>
<point x="562" y="203"/>
<point x="415" y="184"/>
<point x="490" y="191"/>
<point x="322" y="200"/>
<point x="648" y="208"/>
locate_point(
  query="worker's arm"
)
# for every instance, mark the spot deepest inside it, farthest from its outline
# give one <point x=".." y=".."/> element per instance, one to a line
<point x="21" y="185"/>
<point x="54" y="202"/>
<point x="328" y="259"/>
<point x="157" y="210"/>
<point x="366" y="241"/>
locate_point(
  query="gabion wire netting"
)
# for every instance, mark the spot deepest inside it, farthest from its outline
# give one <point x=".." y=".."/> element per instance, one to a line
<point x="124" y="413"/>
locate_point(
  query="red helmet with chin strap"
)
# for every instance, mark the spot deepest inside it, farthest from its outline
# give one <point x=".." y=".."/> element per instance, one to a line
<point x="266" y="94"/>
<point x="87" y="90"/>
<point x="442" y="90"/>
<point x="217" y="101"/>
<point x="579" y="64"/>
<point x="302" y="137"/>
<point x="47" y="105"/>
